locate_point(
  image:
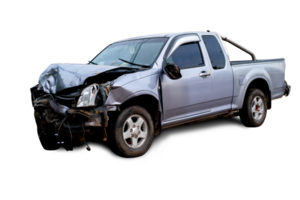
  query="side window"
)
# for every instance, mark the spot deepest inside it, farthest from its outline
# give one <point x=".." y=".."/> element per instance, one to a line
<point x="186" y="56"/>
<point x="214" y="51"/>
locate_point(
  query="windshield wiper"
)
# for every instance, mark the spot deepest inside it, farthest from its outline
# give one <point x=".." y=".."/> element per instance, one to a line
<point x="92" y="63"/>
<point x="146" y="66"/>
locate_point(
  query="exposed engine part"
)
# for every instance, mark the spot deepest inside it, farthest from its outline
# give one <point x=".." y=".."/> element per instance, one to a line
<point x="42" y="103"/>
<point x="104" y="92"/>
<point x="91" y="119"/>
<point x="80" y="112"/>
<point x="49" y="115"/>
<point x="87" y="146"/>
<point x="71" y="137"/>
<point x="94" y="120"/>
<point x="60" y="109"/>
<point x="43" y="97"/>
<point x="60" y="126"/>
<point x="104" y="133"/>
<point x="102" y="109"/>
<point x="107" y="88"/>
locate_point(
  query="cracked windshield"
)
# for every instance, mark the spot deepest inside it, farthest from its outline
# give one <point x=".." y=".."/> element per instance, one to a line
<point x="131" y="53"/>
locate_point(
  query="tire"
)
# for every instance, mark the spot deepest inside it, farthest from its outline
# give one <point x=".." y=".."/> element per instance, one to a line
<point x="254" y="110"/>
<point x="131" y="138"/>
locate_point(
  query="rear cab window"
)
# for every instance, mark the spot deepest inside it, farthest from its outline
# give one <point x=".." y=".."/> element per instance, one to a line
<point x="214" y="51"/>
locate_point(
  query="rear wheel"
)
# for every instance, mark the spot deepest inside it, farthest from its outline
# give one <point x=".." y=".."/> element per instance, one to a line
<point x="254" y="110"/>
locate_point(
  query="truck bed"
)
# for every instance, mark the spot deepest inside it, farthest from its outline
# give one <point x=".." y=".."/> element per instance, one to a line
<point x="271" y="70"/>
<point x="256" y="61"/>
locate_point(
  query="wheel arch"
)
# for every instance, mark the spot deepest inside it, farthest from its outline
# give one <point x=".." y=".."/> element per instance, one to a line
<point x="147" y="101"/>
<point x="262" y="84"/>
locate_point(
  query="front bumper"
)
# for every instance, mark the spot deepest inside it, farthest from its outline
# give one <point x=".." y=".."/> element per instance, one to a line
<point x="91" y="117"/>
<point x="287" y="90"/>
<point x="69" y="125"/>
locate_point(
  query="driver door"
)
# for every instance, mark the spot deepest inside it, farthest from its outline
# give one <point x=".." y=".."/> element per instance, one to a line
<point x="187" y="96"/>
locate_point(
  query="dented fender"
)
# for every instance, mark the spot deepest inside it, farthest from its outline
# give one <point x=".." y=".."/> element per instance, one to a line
<point x="120" y="93"/>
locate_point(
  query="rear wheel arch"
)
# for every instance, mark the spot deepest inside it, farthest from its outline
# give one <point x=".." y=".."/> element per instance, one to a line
<point x="264" y="86"/>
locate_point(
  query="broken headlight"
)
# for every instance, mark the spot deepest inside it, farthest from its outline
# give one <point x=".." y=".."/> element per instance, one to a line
<point x="88" y="96"/>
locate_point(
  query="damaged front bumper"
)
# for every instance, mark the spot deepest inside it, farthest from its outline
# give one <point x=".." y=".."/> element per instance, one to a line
<point x="61" y="125"/>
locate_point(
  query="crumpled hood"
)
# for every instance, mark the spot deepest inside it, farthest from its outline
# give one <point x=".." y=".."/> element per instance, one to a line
<point x="61" y="76"/>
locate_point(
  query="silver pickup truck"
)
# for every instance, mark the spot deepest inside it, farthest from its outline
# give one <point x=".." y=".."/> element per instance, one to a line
<point x="136" y="87"/>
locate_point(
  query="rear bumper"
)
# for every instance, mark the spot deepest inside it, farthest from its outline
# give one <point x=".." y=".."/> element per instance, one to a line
<point x="287" y="90"/>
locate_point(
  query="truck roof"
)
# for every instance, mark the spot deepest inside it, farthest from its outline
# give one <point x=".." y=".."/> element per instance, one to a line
<point x="161" y="35"/>
<point x="170" y="35"/>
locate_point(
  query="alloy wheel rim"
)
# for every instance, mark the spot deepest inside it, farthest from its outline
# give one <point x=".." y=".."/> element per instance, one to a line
<point x="257" y="108"/>
<point x="135" y="131"/>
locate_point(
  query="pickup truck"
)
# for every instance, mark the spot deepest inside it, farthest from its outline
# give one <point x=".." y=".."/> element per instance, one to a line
<point x="136" y="87"/>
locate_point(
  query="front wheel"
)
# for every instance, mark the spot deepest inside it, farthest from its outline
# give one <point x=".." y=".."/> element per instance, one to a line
<point x="133" y="132"/>
<point x="254" y="110"/>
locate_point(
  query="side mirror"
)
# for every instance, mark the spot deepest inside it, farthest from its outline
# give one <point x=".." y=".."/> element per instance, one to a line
<point x="172" y="71"/>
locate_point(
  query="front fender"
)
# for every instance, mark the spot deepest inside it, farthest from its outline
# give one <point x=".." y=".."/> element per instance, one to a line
<point x="145" y="86"/>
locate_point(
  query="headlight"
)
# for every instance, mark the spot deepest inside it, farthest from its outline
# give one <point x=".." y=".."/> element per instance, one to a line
<point x="88" y="96"/>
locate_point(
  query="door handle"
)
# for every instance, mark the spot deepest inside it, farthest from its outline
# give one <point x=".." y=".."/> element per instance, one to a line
<point x="204" y="74"/>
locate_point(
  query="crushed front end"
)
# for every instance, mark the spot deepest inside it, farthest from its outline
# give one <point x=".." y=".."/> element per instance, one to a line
<point x="68" y="118"/>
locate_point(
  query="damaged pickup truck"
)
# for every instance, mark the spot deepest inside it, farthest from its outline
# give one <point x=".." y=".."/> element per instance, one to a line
<point x="134" y="88"/>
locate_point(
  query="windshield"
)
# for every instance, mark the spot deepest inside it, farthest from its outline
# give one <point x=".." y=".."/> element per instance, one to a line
<point x="134" y="52"/>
